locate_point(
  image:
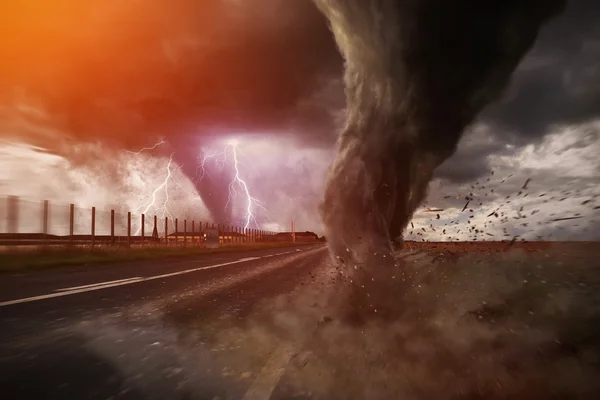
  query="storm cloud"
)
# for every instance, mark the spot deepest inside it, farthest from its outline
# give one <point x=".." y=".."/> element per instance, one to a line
<point x="124" y="71"/>
<point x="128" y="73"/>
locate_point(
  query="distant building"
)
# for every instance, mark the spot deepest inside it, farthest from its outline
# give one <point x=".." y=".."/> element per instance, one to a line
<point x="224" y="237"/>
<point x="231" y="237"/>
<point x="300" y="237"/>
<point x="189" y="236"/>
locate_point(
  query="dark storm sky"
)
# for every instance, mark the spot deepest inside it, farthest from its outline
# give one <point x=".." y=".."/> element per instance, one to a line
<point x="125" y="72"/>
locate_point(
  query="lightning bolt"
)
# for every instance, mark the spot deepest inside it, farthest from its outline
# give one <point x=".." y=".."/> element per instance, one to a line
<point x="150" y="201"/>
<point x="164" y="186"/>
<point x="221" y="158"/>
<point x="146" y="148"/>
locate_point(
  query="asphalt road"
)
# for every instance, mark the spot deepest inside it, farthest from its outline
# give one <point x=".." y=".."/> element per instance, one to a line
<point x="142" y="330"/>
<point x="442" y="322"/>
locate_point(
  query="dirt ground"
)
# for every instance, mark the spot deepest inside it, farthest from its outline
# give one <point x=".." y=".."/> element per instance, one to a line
<point x="450" y="321"/>
<point x="488" y="247"/>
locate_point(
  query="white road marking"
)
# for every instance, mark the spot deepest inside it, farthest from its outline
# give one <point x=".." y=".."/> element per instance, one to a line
<point x="97" y="284"/>
<point x="248" y="259"/>
<point x="105" y="285"/>
<point x="262" y="387"/>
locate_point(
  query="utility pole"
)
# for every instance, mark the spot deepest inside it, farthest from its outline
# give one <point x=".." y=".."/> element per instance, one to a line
<point x="294" y="231"/>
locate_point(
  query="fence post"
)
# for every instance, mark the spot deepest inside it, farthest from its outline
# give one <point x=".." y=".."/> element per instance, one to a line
<point x="155" y="229"/>
<point x="129" y="229"/>
<point x="205" y="228"/>
<point x="12" y="206"/>
<point x="193" y="230"/>
<point x="143" y="230"/>
<point x="166" y="231"/>
<point x="176" y="232"/>
<point x="184" y="232"/>
<point x="45" y="215"/>
<point x="112" y="226"/>
<point x="93" y="226"/>
<point x="71" y="222"/>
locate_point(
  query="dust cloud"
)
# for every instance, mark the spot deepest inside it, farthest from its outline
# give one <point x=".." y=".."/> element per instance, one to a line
<point x="514" y="324"/>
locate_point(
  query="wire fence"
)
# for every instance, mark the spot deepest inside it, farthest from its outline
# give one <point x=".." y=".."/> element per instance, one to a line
<point x="25" y="222"/>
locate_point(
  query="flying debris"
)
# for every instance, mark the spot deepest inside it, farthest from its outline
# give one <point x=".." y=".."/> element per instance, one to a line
<point x="494" y="213"/>
<point x="466" y="205"/>
<point x="526" y="183"/>
<point x="565" y="219"/>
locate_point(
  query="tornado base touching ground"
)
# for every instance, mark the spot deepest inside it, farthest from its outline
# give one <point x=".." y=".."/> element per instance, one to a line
<point x="417" y="73"/>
